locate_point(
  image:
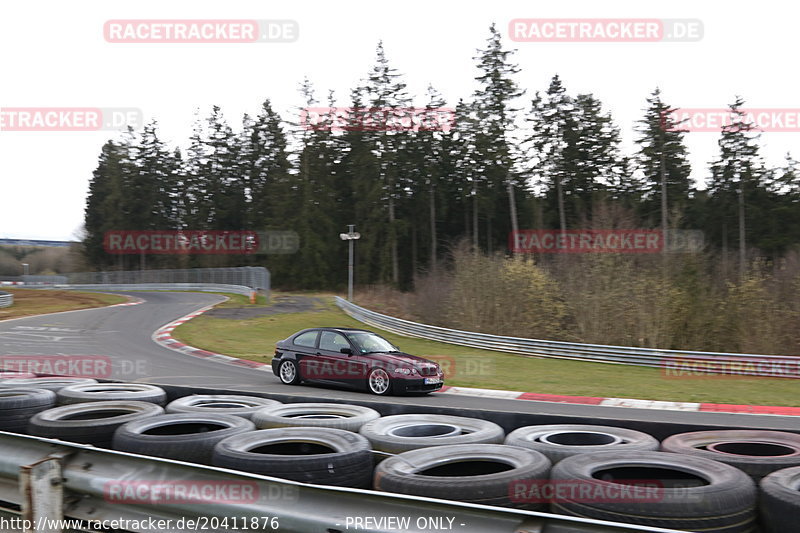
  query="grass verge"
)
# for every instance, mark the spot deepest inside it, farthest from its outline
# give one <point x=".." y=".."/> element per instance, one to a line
<point x="29" y="302"/>
<point x="255" y="338"/>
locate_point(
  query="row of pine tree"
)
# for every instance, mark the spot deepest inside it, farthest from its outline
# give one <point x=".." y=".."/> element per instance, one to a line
<point x="553" y="162"/>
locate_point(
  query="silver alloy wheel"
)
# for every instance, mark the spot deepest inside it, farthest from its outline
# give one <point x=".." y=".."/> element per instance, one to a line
<point x="379" y="381"/>
<point x="288" y="372"/>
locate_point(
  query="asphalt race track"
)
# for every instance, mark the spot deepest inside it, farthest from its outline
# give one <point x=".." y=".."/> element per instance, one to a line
<point x="123" y="334"/>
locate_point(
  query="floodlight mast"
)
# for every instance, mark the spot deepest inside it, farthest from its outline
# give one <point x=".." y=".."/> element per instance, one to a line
<point x="350" y="236"/>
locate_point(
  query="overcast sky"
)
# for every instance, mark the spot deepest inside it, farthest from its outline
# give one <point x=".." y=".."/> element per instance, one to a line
<point x="55" y="55"/>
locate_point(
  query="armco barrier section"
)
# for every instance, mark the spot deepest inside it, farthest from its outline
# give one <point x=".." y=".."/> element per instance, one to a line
<point x="41" y="474"/>
<point x="256" y="277"/>
<point x="734" y="363"/>
<point x="6" y="299"/>
<point x="202" y="287"/>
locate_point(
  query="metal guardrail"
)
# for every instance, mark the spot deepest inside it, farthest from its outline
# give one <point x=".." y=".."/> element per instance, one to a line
<point x="6" y="299"/>
<point x="256" y="277"/>
<point x="34" y="279"/>
<point x="202" y="287"/>
<point x="670" y="360"/>
<point x="51" y="479"/>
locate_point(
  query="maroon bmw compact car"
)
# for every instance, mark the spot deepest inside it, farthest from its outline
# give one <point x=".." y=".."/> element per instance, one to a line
<point x="354" y="358"/>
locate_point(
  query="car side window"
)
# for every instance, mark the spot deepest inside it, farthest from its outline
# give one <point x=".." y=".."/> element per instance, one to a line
<point x="307" y="339"/>
<point x="332" y="341"/>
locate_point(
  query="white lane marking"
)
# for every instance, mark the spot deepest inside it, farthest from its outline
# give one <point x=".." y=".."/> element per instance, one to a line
<point x="650" y="404"/>
<point x="486" y="393"/>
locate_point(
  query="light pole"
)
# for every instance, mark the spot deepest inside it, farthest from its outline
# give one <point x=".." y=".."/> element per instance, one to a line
<point x="351" y="236"/>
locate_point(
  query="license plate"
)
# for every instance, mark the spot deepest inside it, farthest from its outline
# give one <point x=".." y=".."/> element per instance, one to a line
<point x="432" y="381"/>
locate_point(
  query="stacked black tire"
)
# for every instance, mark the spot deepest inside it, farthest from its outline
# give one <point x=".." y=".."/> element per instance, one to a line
<point x="91" y="422"/>
<point x="18" y="405"/>
<point x="52" y="383"/>
<point x="401" y="433"/>
<point x="325" y="456"/>
<point x="560" y="441"/>
<point x="770" y="458"/>
<point x="221" y="404"/>
<point x="780" y="500"/>
<point x="180" y="436"/>
<point x="657" y="489"/>
<point x="477" y="473"/>
<point x="756" y="453"/>
<point x="99" y="392"/>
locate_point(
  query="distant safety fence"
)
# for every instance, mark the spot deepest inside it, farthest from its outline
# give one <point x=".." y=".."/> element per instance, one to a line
<point x="194" y="287"/>
<point x="674" y="363"/>
<point x="237" y="280"/>
<point x="257" y="278"/>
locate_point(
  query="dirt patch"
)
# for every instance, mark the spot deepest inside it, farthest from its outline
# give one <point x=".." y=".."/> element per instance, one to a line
<point x="280" y="305"/>
<point x="40" y="301"/>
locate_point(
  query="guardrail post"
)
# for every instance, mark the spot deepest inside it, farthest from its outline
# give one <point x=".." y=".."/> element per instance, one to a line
<point x="41" y="485"/>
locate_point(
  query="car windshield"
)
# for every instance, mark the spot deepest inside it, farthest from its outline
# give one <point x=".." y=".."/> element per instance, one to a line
<point x="369" y="342"/>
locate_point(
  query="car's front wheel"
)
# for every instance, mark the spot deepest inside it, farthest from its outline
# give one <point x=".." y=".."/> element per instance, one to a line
<point x="379" y="382"/>
<point x="287" y="371"/>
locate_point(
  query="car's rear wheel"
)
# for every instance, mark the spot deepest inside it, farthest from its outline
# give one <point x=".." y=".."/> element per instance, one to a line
<point x="287" y="372"/>
<point x="379" y="382"/>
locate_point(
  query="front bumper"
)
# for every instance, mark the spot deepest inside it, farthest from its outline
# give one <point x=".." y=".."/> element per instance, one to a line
<point x="415" y="385"/>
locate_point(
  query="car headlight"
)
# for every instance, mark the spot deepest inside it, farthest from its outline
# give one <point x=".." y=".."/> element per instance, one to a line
<point x="405" y="371"/>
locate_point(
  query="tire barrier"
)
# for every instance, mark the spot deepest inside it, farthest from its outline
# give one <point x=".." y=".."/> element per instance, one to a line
<point x="181" y="436"/>
<point x="17" y="406"/>
<point x="99" y="392"/>
<point x="89" y="423"/>
<point x="329" y="415"/>
<point x="53" y="384"/>
<point x="676" y="492"/>
<point x="563" y="440"/>
<point x="780" y="500"/>
<point x="757" y="453"/>
<point x="315" y="455"/>
<point x="475" y="473"/>
<point x="223" y="404"/>
<point x="401" y="433"/>
<point x="448" y="457"/>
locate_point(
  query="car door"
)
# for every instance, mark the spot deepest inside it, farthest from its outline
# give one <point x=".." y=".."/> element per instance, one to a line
<point x="339" y="367"/>
<point x="305" y="350"/>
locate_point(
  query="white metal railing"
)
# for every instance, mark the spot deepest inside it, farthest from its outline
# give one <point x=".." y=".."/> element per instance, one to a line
<point x="6" y="299"/>
<point x="675" y="361"/>
<point x="203" y="287"/>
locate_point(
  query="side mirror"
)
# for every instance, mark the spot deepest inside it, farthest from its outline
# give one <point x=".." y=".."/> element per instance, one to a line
<point x="348" y="351"/>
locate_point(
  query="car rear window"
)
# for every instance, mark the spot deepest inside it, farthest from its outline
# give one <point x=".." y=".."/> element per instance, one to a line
<point x="309" y="339"/>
